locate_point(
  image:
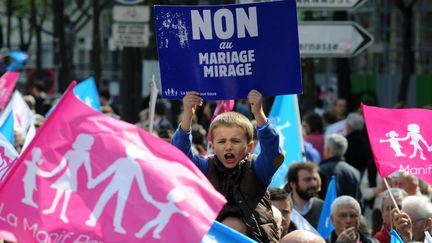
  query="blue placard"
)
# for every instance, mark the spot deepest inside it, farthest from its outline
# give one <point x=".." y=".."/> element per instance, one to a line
<point x="224" y="51"/>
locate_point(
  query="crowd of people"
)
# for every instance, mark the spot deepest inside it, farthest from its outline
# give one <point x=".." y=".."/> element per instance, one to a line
<point x="336" y="144"/>
<point x="363" y="210"/>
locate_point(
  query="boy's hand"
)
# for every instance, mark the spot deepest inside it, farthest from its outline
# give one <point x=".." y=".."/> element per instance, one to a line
<point x="191" y="101"/>
<point x="255" y="99"/>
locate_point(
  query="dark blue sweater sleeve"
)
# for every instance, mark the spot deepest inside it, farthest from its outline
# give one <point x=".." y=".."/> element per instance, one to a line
<point x="183" y="141"/>
<point x="271" y="154"/>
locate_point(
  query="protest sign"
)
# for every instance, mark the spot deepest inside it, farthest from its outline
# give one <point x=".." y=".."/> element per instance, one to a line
<point x="225" y="51"/>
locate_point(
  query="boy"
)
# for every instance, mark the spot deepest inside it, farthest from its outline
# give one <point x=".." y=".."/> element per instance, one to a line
<point x="233" y="170"/>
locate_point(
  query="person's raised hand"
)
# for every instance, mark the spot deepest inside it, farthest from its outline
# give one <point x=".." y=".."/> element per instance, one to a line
<point x="255" y="100"/>
<point x="349" y="235"/>
<point x="191" y="102"/>
<point x="402" y="224"/>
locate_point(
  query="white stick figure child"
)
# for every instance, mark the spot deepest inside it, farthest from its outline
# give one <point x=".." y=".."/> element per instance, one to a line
<point x="394" y="143"/>
<point x="166" y="211"/>
<point x="125" y="171"/>
<point x="67" y="183"/>
<point x="416" y="137"/>
<point x="29" y="178"/>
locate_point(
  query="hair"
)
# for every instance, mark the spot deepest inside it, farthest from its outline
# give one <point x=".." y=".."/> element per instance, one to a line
<point x="278" y="194"/>
<point x="314" y="121"/>
<point x="407" y="175"/>
<point x="419" y="206"/>
<point x="160" y="108"/>
<point x="233" y="119"/>
<point x="337" y="144"/>
<point x="105" y="94"/>
<point x="329" y="116"/>
<point x="165" y="134"/>
<point x="355" y="121"/>
<point x="396" y="192"/>
<point x="345" y="200"/>
<point x="293" y="171"/>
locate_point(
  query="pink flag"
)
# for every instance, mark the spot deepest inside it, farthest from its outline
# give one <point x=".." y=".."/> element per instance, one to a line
<point x="7" y="85"/>
<point x="401" y="139"/>
<point x="223" y="106"/>
<point x="87" y="177"/>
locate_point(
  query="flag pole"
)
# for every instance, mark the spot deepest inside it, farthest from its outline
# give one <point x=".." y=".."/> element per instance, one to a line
<point x="391" y="195"/>
<point x="153" y="98"/>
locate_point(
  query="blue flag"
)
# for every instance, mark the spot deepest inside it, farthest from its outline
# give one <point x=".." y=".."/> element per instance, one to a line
<point x="325" y="225"/>
<point x="221" y="233"/>
<point x="394" y="237"/>
<point x="286" y="117"/>
<point x="19" y="58"/>
<point x="87" y="93"/>
<point x="7" y="128"/>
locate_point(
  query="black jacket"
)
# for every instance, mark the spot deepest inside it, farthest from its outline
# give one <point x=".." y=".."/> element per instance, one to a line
<point x="246" y="198"/>
<point x="347" y="177"/>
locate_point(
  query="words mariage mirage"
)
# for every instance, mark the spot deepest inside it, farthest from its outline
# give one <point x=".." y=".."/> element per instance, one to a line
<point x="224" y="25"/>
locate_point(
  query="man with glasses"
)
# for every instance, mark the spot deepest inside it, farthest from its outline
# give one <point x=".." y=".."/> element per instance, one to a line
<point x="345" y="215"/>
<point x="383" y="236"/>
<point x="415" y="218"/>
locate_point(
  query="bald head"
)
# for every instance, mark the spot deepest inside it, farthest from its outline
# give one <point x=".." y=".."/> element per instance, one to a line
<point x="302" y="236"/>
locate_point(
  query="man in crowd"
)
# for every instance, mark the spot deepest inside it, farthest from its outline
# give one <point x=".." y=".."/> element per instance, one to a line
<point x="345" y="215"/>
<point x="383" y="236"/>
<point x="359" y="153"/>
<point x="304" y="183"/>
<point x="279" y="199"/>
<point x="347" y="177"/>
<point x="302" y="236"/>
<point x="406" y="181"/>
<point x="415" y="218"/>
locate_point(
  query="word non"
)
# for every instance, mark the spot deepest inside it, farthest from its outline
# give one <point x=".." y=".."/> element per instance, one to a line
<point x="223" y="24"/>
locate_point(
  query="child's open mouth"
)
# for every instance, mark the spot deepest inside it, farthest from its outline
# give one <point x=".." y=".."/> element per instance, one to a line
<point x="229" y="158"/>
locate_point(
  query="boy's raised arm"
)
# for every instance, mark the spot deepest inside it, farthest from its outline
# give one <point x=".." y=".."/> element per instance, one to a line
<point x="255" y="99"/>
<point x="271" y="155"/>
<point x="191" y="101"/>
<point x="182" y="138"/>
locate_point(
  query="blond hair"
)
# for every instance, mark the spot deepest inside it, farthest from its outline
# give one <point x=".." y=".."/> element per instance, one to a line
<point x="232" y="119"/>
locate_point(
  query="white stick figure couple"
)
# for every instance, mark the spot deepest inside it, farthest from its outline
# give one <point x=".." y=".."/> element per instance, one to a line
<point x="125" y="170"/>
<point x="67" y="182"/>
<point x="414" y="135"/>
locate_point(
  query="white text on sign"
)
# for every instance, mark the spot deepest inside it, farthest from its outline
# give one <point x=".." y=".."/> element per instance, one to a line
<point x="223" y="23"/>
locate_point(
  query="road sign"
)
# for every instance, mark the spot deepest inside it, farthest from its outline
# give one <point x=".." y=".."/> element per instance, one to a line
<point x="330" y="5"/>
<point x="131" y="34"/>
<point x="131" y="13"/>
<point x="332" y="39"/>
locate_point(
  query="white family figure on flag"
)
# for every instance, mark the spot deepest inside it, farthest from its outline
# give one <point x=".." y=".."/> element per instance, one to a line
<point x="413" y="134"/>
<point x="166" y="211"/>
<point x="394" y="143"/>
<point x="281" y="134"/>
<point x="67" y="183"/>
<point x="125" y="170"/>
<point x="32" y="171"/>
